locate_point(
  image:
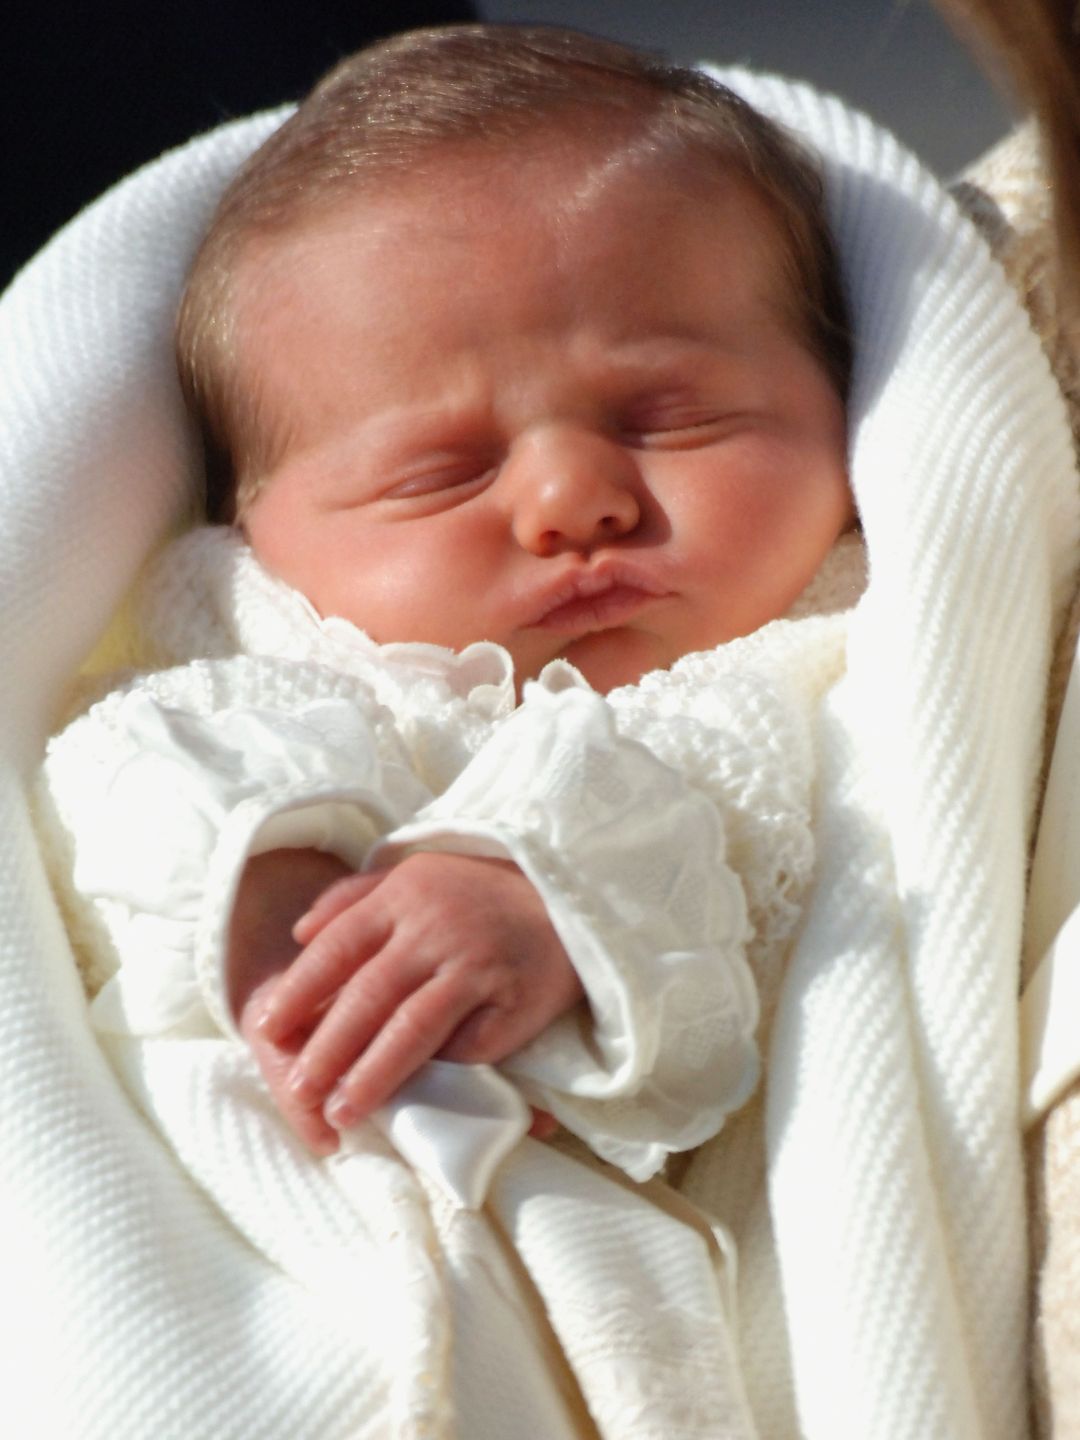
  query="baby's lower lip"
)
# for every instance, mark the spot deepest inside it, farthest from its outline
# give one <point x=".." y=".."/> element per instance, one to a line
<point x="611" y="607"/>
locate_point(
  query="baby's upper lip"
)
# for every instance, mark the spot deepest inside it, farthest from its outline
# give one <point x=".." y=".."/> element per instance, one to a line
<point x="592" y="584"/>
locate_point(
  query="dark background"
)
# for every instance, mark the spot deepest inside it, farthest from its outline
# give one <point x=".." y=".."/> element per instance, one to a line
<point x="93" y="88"/>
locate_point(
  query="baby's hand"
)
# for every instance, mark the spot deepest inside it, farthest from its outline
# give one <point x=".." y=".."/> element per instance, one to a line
<point x="446" y="955"/>
<point x="275" y="888"/>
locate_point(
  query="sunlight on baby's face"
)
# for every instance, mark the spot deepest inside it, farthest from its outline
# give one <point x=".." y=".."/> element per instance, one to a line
<point x="561" y="406"/>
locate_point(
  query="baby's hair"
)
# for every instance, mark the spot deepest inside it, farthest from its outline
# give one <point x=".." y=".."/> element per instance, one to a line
<point x="390" y="107"/>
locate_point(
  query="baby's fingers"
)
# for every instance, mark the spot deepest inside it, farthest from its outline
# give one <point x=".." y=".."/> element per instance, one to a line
<point x="413" y="1034"/>
<point x="309" y="1124"/>
<point x="321" y="969"/>
<point x="334" y="901"/>
<point x="543" y="1125"/>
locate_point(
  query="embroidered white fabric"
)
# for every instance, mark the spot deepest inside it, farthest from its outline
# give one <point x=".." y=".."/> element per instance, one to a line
<point x="236" y="754"/>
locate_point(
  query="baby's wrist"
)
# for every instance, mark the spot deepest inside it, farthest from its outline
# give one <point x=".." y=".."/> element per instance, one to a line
<point x="275" y="890"/>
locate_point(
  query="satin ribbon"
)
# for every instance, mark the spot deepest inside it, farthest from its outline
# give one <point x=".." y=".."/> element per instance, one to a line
<point x="455" y="1124"/>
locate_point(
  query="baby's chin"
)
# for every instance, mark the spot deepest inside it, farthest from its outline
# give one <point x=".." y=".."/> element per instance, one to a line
<point x="610" y="658"/>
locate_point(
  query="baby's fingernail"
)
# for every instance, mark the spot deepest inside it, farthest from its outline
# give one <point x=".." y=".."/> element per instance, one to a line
<point x="340" y="1113"/>
<point x="264" y="1021"/>
<point x="300" y="926"/>
<point x="302" y="1085"/>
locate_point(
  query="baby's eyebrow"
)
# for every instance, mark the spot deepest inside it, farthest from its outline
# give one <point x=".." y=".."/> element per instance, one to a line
<point x="680" y="348"/>
<point x="460" y="421"/>
<point x="426" y="426"/>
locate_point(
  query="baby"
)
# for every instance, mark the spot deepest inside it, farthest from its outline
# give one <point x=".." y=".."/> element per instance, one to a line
<point x="509" y="341"/>
<point x="492" y="725"/>
<point x="559" y="379"/>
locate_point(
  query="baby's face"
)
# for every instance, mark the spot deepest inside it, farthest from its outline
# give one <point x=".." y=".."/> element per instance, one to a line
<point x="570" y="415"/>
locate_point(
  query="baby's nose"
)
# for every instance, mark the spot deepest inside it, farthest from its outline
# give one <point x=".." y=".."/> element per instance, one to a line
<point x="572" y="489"/>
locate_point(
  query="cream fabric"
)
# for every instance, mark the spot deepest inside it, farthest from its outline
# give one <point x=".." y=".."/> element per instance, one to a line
<point x="316" y="736"/>
<point x="893" y="1163"/>
<point x="1008" y="194"/>
<point x="893" y="1153"/>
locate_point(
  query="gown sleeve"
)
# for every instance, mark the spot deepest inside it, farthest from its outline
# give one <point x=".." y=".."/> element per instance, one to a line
<point x="630" y="861"/>
<point x="152" y="802"/>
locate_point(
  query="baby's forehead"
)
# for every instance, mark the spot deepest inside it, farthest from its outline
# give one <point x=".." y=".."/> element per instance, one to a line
<point x="457" y="189"/>
<point x="434" y="278"/>
<point x="549" y="233"/>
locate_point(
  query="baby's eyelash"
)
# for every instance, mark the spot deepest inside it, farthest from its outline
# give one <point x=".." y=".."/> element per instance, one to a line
<point x="441" y="478"/>
<point x="662" y="420"/>
<point x="682" y="427"/>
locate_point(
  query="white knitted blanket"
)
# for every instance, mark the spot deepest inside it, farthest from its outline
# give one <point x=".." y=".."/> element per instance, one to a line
<point x="130" y="1307"/>
<point x="893" y="1140"/>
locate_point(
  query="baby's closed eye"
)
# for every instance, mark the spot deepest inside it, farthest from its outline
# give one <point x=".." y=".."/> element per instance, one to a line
<point x="681" y="424"/>
<point x="444" y="474"/>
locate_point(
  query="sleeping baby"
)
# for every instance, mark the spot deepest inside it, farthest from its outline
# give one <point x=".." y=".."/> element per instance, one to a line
<point x="464" y="736"/>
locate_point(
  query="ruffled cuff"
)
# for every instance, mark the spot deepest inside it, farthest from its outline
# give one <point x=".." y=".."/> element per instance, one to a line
<point x="165" y="807"/>
<point x="630" y="863"/>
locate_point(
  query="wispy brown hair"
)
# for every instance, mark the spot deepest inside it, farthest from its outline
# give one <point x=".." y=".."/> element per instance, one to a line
<point x="391" y="106"/>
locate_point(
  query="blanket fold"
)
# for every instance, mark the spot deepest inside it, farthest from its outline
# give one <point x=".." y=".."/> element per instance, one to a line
<point x="893" y="1136"/>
